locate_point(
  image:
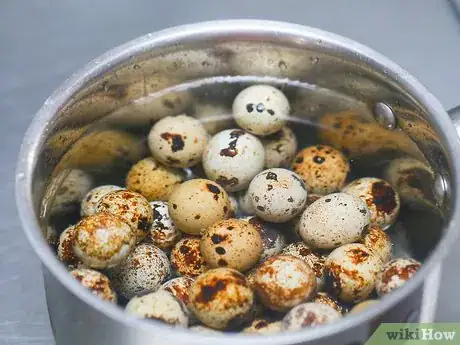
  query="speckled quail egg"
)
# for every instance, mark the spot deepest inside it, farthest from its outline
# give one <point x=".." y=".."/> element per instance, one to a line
<point x="163" y="232"/>
<point x="203" y="329"/>
<point x="261" y="109"/>
<point x="284" y="281"/>
<point x="197" y="204"/>
<point x="314" y="259"/>
<point x="280" y="148"/>
<point x="351" y="272"/>
<point x="221" y="298"/>
<point x="361" y="306"/>
<point x="214" y="117"/>
<point x="245" y="202"/>
<point x="92" y="198"/>
<point x="159" y="305"/>
<point x="323" y="168"/>
<point x="65" y="251"/>
<point x="179" y="288"/>
<point x="153" y="180"/>
<point x="263" y="326"/>
<point x="395" y="274"/>
<point x="232" y="159"/>
<point x="186" y="258"/>
<point x="381" y="199"/>
<point x="309" y="315"/>
<point x="273" y="241"/>
<point x="234" y="209"/>
<point x="378" y="242"/>
<point x="144" y="270"/>
<point x="325" y="298"/>
<point x="334" y="220"/>
<point x="96" y="282"/>
<point x="278" y="195"/>
<point x="178" y="141"/>
<point x="232" y="243"/>
<point x="66" y="190"/>
<point x="131" y="207"/>
<point x="103" y="240"/>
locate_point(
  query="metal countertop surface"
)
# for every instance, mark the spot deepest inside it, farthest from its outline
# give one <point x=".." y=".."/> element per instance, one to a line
<point x="43" y="42"/>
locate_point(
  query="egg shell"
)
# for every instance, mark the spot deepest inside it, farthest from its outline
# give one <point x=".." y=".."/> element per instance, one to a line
<point x="214" y="117"/>
<point x="153" y="180"/>
<point x="273" y="241"/>
<point x="245" y="202"/>
<point x="325" y="298"/>
<point x="131" y="207"/>
<point x="227" y="157"/>
<point x="203" y="329"/>
<point x="278" y="195"/>
<point x="178" y="141"/>
<point x="232" y="243"/>
<point x="378" y="242"/>
<point x="92" y="198"/>
<point x="261" y="109"/>
<point x="280" y="148"/>
<point x="334" y="220"/>
<point x="284" y="281"/>
<point x="179" y="288"/>
<point x="98" y="283"/>
<point x="163" y="232"/>
<point x="381" y="199"/>
<point x="198" y="204"/>
<point x="159" y="305"/>
<point x="263" y="326"/>
<point x="234" y="206"/>
<point x="351" y="272"/>
<point x="221" y="298"/>
<point x="361" y="306"/>
<point x="322" y="168"/>
<point x="186" y="258"/>
<point x="309" y="315"/>
<point x="103" y="240"/>
<point x="314" y="259"/>
<point x="65" y="251"/>
<point x="144" y="270"/>
<point x="395" y="274"/>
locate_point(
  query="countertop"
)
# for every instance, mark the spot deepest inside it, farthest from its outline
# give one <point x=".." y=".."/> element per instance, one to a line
<point x="43" y="42"/>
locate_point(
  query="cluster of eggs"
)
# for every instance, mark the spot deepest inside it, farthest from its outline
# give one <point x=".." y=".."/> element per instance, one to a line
<point x="268" y="239"/>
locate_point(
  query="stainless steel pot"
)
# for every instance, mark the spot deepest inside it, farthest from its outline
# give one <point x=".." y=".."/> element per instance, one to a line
<point x="338" y="75"/>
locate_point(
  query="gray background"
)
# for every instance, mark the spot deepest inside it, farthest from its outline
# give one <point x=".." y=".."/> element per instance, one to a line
<point x="43" y="42"/>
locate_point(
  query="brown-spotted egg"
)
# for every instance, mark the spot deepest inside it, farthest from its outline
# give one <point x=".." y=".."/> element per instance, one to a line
<point x="96" y="282"/>
<point x="280" y="148"/>
<point x="186" y="257"/>
<point x="325" y="298"/>
<point x="65" y="251"/>
<point x="263" y="326"/>
<point x="163" y="232"/>
<point x="395" y="274"/>
<point x="378" y="242"/>
<point x="92" y="198"/>
<point x="309" y="315"/>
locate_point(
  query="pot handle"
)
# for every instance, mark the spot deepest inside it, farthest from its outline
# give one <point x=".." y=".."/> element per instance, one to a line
<point x="454" y="114"/>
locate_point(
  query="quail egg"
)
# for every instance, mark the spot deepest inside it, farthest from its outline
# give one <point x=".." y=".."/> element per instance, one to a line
<point x="361" y="306"/>
<point x="159" y="305"/>
<point x="309" y="315"/>
<point x="131" y="207"/>
<point x="96" y="282"/>
<point x="284" y="281"/>
<point x="163" y="233"/>
<point x="273" y="241"/>
<point x="186" y="258"/>
<point x="214" y="117"/>
<point x="280" y="148"/>
<point x="232" y="159"/>
<point x="153" y="180"/>
<point x="245" y="202"/>
<point x="232" y="243"/>
<point x="351" y="272"/>
<point x="144" y="270"/>
<point x="381" y="199"/>
<point x="323" y="168"/>
<point x="103" y="240"/>
<point x="263" y="326"/>
<point x="325" y="298"/>
<point x="334" y="220"/>
<point x="261" y="109"/>
<point x="278" y="195"/>
<point x="179" y="288"/>
<point x="178" y="141"/>
<point x="314" y="259"/>
<point x="234" y="206"/>
<point x="65" y="251"/>
<point x="395" y="274"/>
<point x="378" y="242"/>
<point x="221" y="298"/>
<point x="197" y="204"/>
<point x="92" y="198"/>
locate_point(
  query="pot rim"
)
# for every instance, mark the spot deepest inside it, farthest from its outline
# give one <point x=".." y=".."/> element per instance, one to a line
<point x="281" y="32"/>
